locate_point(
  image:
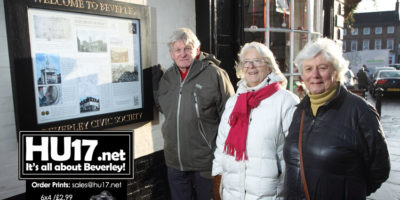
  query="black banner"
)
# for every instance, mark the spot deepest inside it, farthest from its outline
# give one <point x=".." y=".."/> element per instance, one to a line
<point x="76" y="190"/>
<point x="75" y="155"/>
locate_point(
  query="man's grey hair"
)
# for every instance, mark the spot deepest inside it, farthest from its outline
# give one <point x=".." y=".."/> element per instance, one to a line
<point x="186" y="35"/>
<point x="266" y="54"/>
<point x="329" y="50"/>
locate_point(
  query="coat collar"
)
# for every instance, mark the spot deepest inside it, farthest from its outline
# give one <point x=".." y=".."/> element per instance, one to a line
<point x="243" y="88"/>
<point x="198" y="65"/>
<point x="337" y="99"/>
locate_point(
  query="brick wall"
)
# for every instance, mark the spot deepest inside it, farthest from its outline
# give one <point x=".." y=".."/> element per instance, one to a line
<point x="150" y="178"/>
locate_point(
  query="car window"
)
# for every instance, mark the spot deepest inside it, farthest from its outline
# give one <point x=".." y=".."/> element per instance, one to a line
<point x="389" y="74"/>
<point x="378" y="69"/>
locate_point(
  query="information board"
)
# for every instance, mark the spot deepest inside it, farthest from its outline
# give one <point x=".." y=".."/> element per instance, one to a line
<point x="79" y="65"/>
<point x="84" y="65"/>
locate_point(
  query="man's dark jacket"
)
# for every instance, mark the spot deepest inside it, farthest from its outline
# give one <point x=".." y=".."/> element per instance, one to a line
<point x="345" y="154"/>
<point x="192" y="110"/>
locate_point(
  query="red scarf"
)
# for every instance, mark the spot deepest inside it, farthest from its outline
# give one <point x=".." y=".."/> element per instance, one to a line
<point x="239" y="119"/>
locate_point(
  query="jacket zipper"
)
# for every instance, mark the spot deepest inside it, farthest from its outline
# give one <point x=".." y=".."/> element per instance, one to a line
<point x="244" y="162"/>
<point x="177" y="126"/>
<point x="200" y="124"/>
<point x="177" y="117"/>
<point x="313" y="120"/>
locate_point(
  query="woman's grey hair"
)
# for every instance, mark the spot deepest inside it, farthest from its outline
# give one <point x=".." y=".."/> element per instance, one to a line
<point x="329" y="50"/>
<point x="266" y="54"/>
<point x="186" y="35"/>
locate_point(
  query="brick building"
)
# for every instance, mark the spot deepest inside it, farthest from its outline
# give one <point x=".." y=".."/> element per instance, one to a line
<point x="374" y="30"/>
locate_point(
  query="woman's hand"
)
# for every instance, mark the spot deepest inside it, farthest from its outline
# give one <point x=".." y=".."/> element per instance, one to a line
<point x="217" y="183"/>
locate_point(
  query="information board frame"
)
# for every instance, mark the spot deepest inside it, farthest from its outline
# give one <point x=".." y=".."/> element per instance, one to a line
<point x="28" y="57"/>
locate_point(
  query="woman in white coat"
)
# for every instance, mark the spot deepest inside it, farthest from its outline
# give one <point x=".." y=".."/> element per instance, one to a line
<point x="252" y="129"/>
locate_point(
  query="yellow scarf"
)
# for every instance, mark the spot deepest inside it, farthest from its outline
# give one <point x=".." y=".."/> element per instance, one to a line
<point x="318" y="100"/>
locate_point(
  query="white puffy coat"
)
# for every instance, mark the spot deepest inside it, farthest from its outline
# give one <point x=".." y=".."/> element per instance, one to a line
<point x="262" y="175"/>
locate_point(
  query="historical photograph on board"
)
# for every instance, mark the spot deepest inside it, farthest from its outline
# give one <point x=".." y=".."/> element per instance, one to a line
<point x="49" y="95"/>
<point x="91" y="41"/>
<point x="47" y="69"/>
<point x="124" y="73"/>
<point x="119" y="55"/>
<point x="89" y="104"/>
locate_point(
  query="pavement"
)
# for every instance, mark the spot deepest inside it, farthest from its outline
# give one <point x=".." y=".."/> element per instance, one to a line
<point x="390" y="119"/>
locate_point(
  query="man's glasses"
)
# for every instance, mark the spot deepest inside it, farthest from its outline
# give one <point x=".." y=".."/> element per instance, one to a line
<point x="255" y="63"/>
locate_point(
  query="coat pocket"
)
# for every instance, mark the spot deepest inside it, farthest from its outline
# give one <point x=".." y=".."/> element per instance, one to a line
<point x="199" y="122"/>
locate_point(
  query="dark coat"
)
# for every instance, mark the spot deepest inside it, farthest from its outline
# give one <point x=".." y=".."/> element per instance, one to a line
<point x="362" y="78"/>
<point x="345" y="154"/>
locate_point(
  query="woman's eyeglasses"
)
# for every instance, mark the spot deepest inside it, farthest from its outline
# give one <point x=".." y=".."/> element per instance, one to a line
<point x="255" y="63"/>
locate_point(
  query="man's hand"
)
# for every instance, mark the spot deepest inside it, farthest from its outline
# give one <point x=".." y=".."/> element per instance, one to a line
<point x="156" y="75"/>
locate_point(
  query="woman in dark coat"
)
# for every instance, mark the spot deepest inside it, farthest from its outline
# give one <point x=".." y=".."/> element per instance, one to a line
<point x="344" y="153"/>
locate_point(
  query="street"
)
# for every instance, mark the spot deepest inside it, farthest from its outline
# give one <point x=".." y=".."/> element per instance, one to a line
<point x="390" y="119"/>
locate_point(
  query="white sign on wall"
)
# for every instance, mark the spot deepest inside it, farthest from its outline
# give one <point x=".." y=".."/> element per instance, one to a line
<point x="370" y="58"/>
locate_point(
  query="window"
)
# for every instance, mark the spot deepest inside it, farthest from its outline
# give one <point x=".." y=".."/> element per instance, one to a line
<point x="344" y="31"/>
<point x="283" y="26"/>
<point x="398" y="49"/>
<point x="366" y="30"/>
<point x="390" y="44"/>
<point x="354" y="44"/>
<point x="344" y="46"/>
<point x="339" y="10"/>
<point x="365" y="45"/>
<point x="378" y="30"/>
<point x="354" y="31"/>
<point x="390" y="29"/>
<point x="378" y="44"/>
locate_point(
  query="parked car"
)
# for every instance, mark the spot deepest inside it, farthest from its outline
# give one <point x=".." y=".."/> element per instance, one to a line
<point x="377" y="69"/>
<point x="388" y="80"/>
<point x="372" y="78"/>
<point x="397" y="66"/>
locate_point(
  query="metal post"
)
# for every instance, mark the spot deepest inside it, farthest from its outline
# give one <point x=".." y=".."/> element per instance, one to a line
<point x="378" y="95"/>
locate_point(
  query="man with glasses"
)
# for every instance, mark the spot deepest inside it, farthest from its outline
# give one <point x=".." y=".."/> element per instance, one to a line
<point x="191" y="95"/>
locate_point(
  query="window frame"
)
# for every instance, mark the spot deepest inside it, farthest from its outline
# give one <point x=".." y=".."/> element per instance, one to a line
<point x="387" y="43"/>
<point x="365" y="32"/>
<point x="391" y="28"/>
<point x="354" y="31"/>
<point x="378" y="28"/>
<point x="354" y="43"/>
<point x="363" y="44"/>
<point x="380" y="43"/>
